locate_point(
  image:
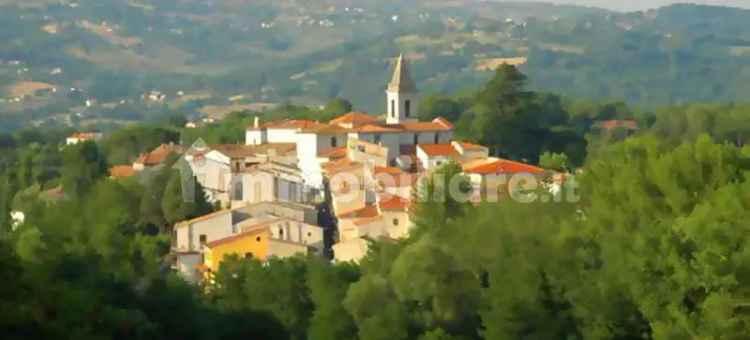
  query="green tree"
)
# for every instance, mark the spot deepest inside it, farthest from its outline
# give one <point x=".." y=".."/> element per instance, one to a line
<point x="337" y="107"/>
<point x="183" y="199"/>
<point x="328" y="285"/>
<point x="83" y="164"/>
<point x="554" y="161"/>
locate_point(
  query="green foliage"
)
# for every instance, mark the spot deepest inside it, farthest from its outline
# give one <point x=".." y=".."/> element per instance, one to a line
<point x="554" y="161"/>
<point x="337" y="107"/>
<point x="434" y="106"/>
<point x="183" y="199"/>
<point x="83" y="164"/>
<point x="125" y="145"/>
<point x="277" y="287"/>
<point x="328" y="285"/>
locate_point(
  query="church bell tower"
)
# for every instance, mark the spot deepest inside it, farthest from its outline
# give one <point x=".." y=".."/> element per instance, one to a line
<point x="402" y="95"/>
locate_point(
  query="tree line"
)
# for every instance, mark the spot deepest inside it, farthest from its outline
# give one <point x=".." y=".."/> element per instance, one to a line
<point x="654" y="249"/>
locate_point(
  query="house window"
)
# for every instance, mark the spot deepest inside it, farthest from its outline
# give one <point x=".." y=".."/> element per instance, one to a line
<point x="393" y="108"/>
<point x="407" y="108"/>
<point x="377" y="139"/>
<point x="437" y="138"/>
<point x="248" y="255"/>
<point x="309" y="234"/>
<point x="203" y="239"/>
<point x="238" y="191"/>
<point x="257" y="238"/>
<point x="333" y="142"/>
<point x="281" y="232"/>
<point x="395" y="221"/>
<point x="416" y="138"/>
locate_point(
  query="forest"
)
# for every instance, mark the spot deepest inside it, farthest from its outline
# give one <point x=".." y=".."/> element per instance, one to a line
<point x="654" y="249"/>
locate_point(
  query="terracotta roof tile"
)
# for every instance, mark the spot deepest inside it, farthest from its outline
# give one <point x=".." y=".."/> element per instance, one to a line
<point x="394" y="203"/>
<point x="372" y="128"/>
<point x="335" y="153"/>
<point x="366" y="212"/>
<point x="160" y="154"/>
<point x="502" y="166"/>
<point x="121" y="171"/>
<point x="629" y="124"/>
<point x="354" y="118"/>
<point x="434" y="150"/>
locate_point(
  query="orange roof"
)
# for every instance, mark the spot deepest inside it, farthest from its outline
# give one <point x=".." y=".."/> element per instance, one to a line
<point x="370" y="128"/>
<point x="325" y="129"/>
<point x="394" y="203"/>
<point x="502" y="166"/>
<point x="121" y="171"/>
<point x="629" y="124"/>
<point x="366" y="212"/>
<point x="288" y="124"/>
<point x="437" y="124"/>
<point x="203" y="218"/>
<point x="248" y="233"/>
<point x="354" y="118"/>
<point x="335" y="153"/>
<point x="159" y="155"/>
<point x="339" y="165"/>
<point x="470" y="146"/>
<point x="367" y="220"/>
<point x="387" y="170"/>
<point x="86" y="135"/>
<point x="434" y="150"/>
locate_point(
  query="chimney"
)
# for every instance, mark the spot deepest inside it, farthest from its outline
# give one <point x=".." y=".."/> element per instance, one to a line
<point x="256" y="122"/>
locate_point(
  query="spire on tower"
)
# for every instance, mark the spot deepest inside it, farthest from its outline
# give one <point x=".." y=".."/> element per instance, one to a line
<point x="401" y="80"/>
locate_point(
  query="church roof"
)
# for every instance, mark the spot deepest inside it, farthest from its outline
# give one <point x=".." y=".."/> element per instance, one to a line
<point x="355" y="118"/>
<point x="401" y="80"/>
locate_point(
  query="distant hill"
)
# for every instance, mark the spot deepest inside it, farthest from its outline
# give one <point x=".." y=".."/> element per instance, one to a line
<point x="250" y="53"/>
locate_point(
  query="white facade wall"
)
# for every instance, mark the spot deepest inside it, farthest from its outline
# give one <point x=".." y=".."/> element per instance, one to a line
<point x="397" y="223"/>
<point x="256" y="137"/>
<point x="429" y="163"/>
<point x="282" y="135"/>
<point x="398" y="109"/>
<point x="298" y="232"/>
<point x="215" y="228"/>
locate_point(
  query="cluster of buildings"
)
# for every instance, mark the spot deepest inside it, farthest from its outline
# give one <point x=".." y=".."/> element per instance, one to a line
<point x="321" y="188"/>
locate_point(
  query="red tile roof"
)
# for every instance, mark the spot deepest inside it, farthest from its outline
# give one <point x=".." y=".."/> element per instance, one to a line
<point x="354" y="118"/>
<point x="335" y="153"/>
<point x="502" y="166"/>
<point x="629" y="124"/>
<point x="121" y="171"/>
<point x="86" y="135"/>
<point x="371" y="128"/>
<point x="470" y="146"/>
<point x="434" y="150"/>
<point x="289" y="124"/>
<point x="230" y="239"/>
<point x="368" y="220"/>
<point x="394" y="203"/>
<point x="366" y="212"/>
<point x="159" y="155"/>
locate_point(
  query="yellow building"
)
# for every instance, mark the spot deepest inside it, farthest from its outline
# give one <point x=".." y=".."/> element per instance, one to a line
<point x="260" y="242"/>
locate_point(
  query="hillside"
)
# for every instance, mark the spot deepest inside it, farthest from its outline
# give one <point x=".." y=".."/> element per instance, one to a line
<point x="208" y="56"/>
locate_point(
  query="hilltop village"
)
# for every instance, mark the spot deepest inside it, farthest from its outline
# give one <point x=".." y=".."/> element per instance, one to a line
<point x="320" y="188"/>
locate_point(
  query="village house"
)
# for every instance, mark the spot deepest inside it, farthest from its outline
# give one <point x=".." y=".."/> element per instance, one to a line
<point x="80" y="137"/>
<point x="287" y="229"/>
<point x="157" y="156"/>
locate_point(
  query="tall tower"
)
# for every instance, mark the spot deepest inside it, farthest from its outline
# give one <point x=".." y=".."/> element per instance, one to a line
<point x="402" y="95"/>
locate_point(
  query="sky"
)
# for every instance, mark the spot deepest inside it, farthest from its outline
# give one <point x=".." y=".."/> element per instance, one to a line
<point x="634" y="5"/>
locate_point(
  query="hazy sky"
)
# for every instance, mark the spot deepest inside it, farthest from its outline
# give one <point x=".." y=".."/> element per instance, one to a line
<point x="630" y="5"/>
